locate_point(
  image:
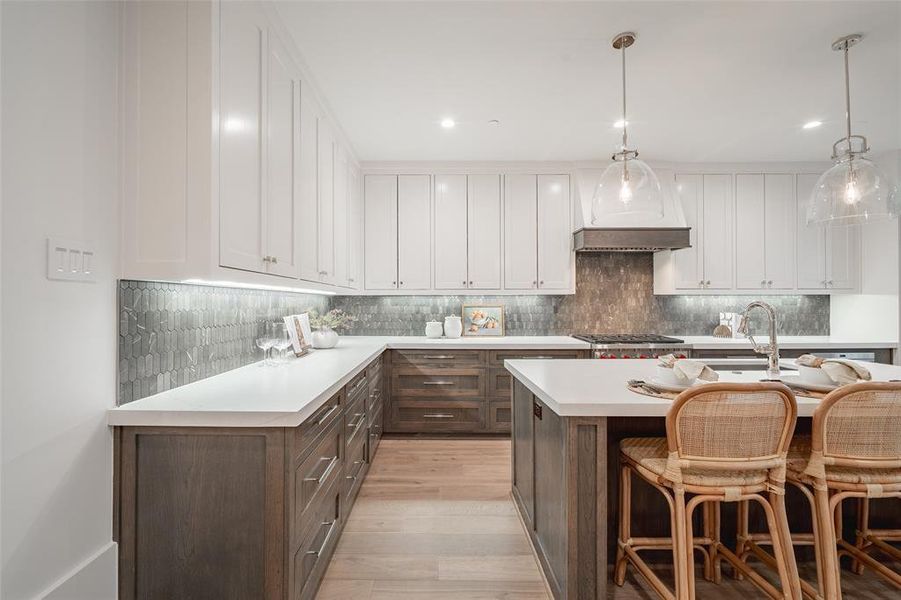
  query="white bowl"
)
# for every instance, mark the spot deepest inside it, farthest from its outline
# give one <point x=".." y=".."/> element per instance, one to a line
<point x="814" y="375"/>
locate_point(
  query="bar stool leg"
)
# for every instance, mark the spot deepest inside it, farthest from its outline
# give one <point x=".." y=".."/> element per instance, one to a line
<point x="825" y="532"/>
<point x="681" y="547"/>
<point x="625" y="524"/>
<point x="863" y="530"/>
<point x="777" y="501"/>
<point x="741" y="548"/>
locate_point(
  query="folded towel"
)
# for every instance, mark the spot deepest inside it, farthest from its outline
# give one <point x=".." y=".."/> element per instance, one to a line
<point x="688" y="370"/>
<point x="840" y="370"/>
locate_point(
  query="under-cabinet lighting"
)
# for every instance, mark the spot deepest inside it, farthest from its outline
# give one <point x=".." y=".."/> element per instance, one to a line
<point x="448" y="123"/>
<point x="257" y="286"/>
<point x="812" y="124"/>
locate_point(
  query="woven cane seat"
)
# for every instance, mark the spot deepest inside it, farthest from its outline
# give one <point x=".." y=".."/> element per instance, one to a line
<point x="651" y="454"/>
<point x="799" y="454"/>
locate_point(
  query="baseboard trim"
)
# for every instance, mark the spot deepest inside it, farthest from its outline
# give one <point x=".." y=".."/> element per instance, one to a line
<point x="58" y="589"/>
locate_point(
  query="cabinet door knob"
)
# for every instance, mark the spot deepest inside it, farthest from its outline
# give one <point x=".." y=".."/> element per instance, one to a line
<point x="273" y="259"/>
<point x="393" y="283"/>
<point x="534" y="283"/>
<point x="830" y="283"/>
<point x="265" y="259"/>
<point x="470" y="283"/>
<point x="540" y="283"/>
<point x="762" y="282"/>
<point x="701" y="283"/>
<point x="770" y="283"/>
<point x="323" y="272"/>
<point x="401" y="282"/>
<point x="708" y="283"/>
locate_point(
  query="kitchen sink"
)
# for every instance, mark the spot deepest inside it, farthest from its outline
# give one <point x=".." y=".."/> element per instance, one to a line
<point x="743" y="363"/>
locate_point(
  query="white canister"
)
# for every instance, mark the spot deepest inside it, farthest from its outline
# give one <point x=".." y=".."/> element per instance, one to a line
<point x="453" y="326"/>
<point x="433" y="329"/>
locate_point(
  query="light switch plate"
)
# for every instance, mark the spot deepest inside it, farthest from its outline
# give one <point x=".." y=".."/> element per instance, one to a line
<point x="71" y="260"/>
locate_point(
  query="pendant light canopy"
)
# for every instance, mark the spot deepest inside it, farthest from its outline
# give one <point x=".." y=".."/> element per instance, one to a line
<point x="854" y="190"/>
<point x="628" y="186"/>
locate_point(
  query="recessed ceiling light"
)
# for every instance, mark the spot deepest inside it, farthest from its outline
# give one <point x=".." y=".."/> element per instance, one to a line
<point x="494" y="122"/>
<point x="812" y="124"/>
<point x="447" y="123"/>
<point x="619" y="124"/>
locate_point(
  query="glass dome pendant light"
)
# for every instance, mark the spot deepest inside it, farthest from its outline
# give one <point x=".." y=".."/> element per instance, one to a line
<point x="854" y="190"/>
<point x="628" y="186"/>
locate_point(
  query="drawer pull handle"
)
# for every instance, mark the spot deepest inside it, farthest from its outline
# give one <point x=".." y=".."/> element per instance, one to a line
<point x="357" y="385"/>
<point x="324" y="417"/>
<point x="328" y="536"/>
<point x="437" y="383"/>
<point x="356" y="425"/>
<point x="333" y="460"/>
<point x="438" y="416"/>
<point x="355" y="464"/>
<point x="439" y="356"/>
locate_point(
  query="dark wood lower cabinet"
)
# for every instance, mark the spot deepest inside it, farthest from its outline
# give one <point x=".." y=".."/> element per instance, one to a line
<point x="454" y="391"/>
<point x="237" y="513"/>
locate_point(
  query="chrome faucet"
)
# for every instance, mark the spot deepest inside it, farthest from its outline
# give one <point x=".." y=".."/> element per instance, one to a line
<point x="771" y="349"/>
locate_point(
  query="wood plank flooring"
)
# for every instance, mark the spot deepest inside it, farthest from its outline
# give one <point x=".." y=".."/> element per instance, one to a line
<point x="434" y="520"/>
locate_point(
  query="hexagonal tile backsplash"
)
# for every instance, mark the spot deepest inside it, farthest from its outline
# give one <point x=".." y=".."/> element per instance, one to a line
<point x="173" y="334"/>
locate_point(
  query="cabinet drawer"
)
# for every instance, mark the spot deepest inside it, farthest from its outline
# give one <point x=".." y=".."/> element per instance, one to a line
<point x="355" y="421"/>
<point x="444" y="383"/>
<point x="438" y="415"/>
<point x="356" y="387"/>
<point x="499" y="417"/>
<point x="320" y="537"/>
<point x="496" y="358"/>
<point x="321" y="468"/>
<point x="354" y="469"/>
<point x="306" y="434"/>
<point x="375" y="368"/>
<point x="375" y="435"/>
<point x="499" y="381"/>
<point x="438" y="358"/>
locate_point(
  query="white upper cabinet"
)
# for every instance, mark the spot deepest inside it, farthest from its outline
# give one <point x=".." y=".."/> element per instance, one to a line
<point x="450" y="232"/>
<point x="282" y="128"/>
<point x="537" y="232"/>
<point x="484" y="232"/>
<point x="707" y="205"/>
<point x="555" y="255"/>
<point x="717" y="232"/>
<point x="341" y="205"/>
<point x="229" y="168"/>
<point x="414" y="256"/>
<point x="765" y="231"/>
<point x="520" y="232"/>
<point x="355" y="228"/>
<point x="325" y="156"/>
<point x="380" y="232"/>
<point x="242" y="103"/>
<point x="828" y="257"/>
<point x="688" y="263"/>
<point x="774" y="250"/>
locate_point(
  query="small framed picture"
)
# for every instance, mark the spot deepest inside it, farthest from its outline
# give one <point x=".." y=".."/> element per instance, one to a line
<point x="483" y="320"/>
<point x="300" y="332"/>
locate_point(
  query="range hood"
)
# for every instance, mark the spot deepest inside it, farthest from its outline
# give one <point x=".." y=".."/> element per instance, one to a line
<point x="631" y="239"/>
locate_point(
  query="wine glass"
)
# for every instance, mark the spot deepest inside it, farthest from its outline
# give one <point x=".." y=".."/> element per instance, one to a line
<point x="281" y="340"/>
<point x="265" y="343"/>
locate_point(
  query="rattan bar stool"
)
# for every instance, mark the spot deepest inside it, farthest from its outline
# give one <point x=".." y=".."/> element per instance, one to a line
<point x="725" y="442"/>
<point x="854" y="451"/>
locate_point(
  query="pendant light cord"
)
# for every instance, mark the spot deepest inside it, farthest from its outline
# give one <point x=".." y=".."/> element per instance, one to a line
<point x="847" y="98"/>
<point x="625" y="124"/>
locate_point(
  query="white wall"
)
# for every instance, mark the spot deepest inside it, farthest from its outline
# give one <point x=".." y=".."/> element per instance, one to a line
<point x="59" y="178"/>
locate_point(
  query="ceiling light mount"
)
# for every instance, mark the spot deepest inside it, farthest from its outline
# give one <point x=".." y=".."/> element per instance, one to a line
<point x="846" y="41"/>
<point x="623" y="40"/>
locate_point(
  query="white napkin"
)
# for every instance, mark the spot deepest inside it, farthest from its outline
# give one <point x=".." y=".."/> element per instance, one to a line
<point x="688" y="370"/>
<point x="840" y="370"/>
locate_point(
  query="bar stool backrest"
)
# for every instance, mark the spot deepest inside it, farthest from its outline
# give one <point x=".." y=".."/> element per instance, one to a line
<point x="734" y="426"/>
<point x="859" y="425"/>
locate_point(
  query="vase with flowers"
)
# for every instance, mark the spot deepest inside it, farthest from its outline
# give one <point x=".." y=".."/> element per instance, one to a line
<point x="326" y="326"/>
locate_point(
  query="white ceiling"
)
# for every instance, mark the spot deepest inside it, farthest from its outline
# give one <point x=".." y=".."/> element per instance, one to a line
<point x="723" y="81"/>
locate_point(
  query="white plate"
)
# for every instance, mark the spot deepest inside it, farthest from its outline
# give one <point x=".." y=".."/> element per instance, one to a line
<point x="806" y="385"/>
<point x="668" y="387"/>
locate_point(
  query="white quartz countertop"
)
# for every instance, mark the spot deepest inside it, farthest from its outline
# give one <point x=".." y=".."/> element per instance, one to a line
<point x="791" y="342"/>
<point x="598" y="388"/>
<point x="257" y="396"/>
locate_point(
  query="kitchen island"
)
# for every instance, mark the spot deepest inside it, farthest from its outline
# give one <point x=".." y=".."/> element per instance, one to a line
<point x="568" y="419"/>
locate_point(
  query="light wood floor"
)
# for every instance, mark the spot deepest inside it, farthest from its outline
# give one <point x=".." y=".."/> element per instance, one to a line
<point x="434" y="520"/>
